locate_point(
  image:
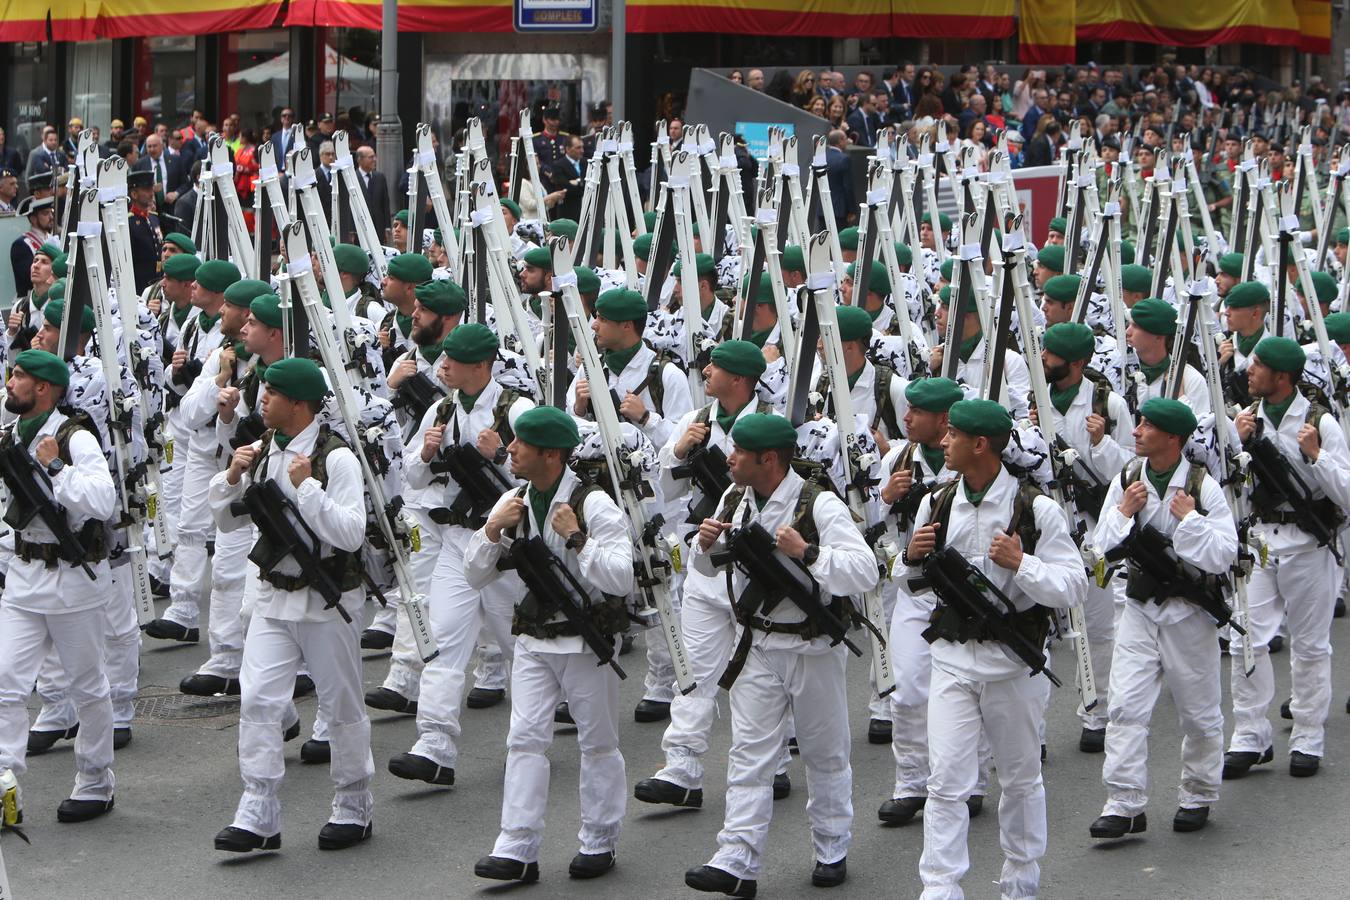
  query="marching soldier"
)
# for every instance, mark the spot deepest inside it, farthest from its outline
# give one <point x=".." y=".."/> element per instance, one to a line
<point x="784" y="665"/>
<point x="25" y="316"/>
<point x="1163" y="637"/>
<point x="144" y="233"/>
<point x="1020" y="541"/>
<point x="1153" y="323"/>
<point x="1246" y="305"/>
<point x="588" y="533"/>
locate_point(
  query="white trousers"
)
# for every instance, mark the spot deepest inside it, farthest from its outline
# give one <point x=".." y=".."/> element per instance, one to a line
<point x="1186" y="656"/>
<point x="1010" y="711"/>
<point x="538" y="682"/>
<point x="189" y="580"/>
<point x="812" y="687"/>
<point x="273" y="652"/>
<point x="458" y="614"/>
<point x="25" y="638"/>
<point x="122" y="663"/>
<point x="405" y="666"/>
<point x="225" y="626"/>
<point x="1099" y="613"/>
<point x="490" y="671"/>
<point x="1302" y="587"/>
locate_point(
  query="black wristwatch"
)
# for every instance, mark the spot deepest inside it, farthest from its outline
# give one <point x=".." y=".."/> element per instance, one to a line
<point x="811" y="554"/>
<point x="576" y="540"/>
<point x="56" y="465"/>
<point x="500" y="456"/>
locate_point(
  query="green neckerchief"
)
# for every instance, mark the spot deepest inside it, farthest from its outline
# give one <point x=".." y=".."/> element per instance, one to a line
<point x="1153" y="373"/>
<point x="323" y="296"/>
<point x="877" y="314"/>
<point x="1160" y="480"/>
<point x="540" y="500"/>
<point x="1061" y="400"/>
<point x="934" y="456"/>
<point x="968" y="346"/>
<point x="37" y="301"/>
<point x="536" y="306"/>
<point x="1275" y="411"/>
<point x="704" y="310"/>
<point x="976" y="496"/>
<point x="281" y="440"/>
<point x="759" y="338"/>
<point x="205" y="323"/>
<point x="618" y="360"/>
<point x="853" y="377"/>
<point x="404" y="322"/>
<point x="1246" y="345"/>
<point x="726" y="419"/>
<point x="467" y="400"/>
<point x="430" y="352"/>
<point x="241" y="352"/>
<point x="759" y="501"/>
<point x="180" y="315"/>
<point x="28" y="428"/>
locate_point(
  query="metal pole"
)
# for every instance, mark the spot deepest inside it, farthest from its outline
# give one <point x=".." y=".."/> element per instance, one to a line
<point x="618" y="52"/>
<point x="389" y="137"/>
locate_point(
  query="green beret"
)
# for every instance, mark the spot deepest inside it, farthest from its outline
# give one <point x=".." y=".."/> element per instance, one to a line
<point x="878" y="282"/>
<point x="1343" y="236"/>
<point x="351" y="259"/>
<point x="1126" y="252"/>
<point x="642" y="246"/>
<point x="1245" y="294"/>
<point x="944" y="220"/>
<point x="945" y="295"/>
<point x="1059" y="225"/>
<point x="45" y="366"/>
<point x="934" y="394"/>
<point x="1281" y="354"/>
<point x="49" y="249"/>
<point x="547" y="427"/>
<point x="1052" y="257"/>
<point x="1231" y="264"/>
<point x="793" y="260"/>
<point x="947" y="268"/>
<point x="242" y="292"/>
<point x="443" y="297"/>
<point x="1070" y="341"/>
<point x="703" y="265"/>
<point x="1135" y="279"/>
<point x="848" y="238"/>
<point x="979" y="418"/>
<point x="763" y="293"/>
<point x="903" y="255"/>
<point x="59" y="266"/>
<point x="1338" y="327"/>
<point x="1325" y="286"/>
<point x="413" y="268"/>
<point x="758" y="432"/>
<point x="181" y="267"/>
<point x="854" y="323"/>
<point x="57" y="290"/>
<point x="1172" y="416"/>
<point x="471" y="342"/>
<point x="621" y="305"/>
<point x="650" y="219"/>
<point x="1063" y="288"/>
<point x="1155" y="316"/>
<point x="513" y="206"/>
<point x="181" y="241"/>
<point x="540" y="258"/>
<point x="563" y="228"/>
<point x="401" y="216"/>
<point x="216" y="275"/>
<point x="587" y="281"/>
<point x="739" y="358"/>
<point x="266" y="308"/>
<point x="296" y="377"/>
<point x="53" y="310"/>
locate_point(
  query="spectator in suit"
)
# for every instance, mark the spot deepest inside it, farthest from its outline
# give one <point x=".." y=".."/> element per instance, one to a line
<point x="864" y="121"/>
<point x="839" y="170"/>
<point x="324" y="133"/>
<point x="976" y="110"/>
<point x="47" y="156"/>
<point x="169" y="180"/>
<point x="374" y="187"/>
<point x="569" y="175"/>
<point x="282" y="142"/>
<point x="1041" y="148"/>
<point x="10" y="158"/>
<point x="1039" y="98"/>
<point x="9" y="191"/>
<point x="324" y="172"/>
<point x="71" y="145"/>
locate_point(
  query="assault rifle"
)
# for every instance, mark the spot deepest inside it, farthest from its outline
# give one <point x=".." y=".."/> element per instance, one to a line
<point x="1150" y="552"/>
<point x="1281" y="483"/>
<point x="554" y="587"/>
<point x="481" y="485"/>
<point x="416" y="394"/>
<point x="706" y="466"/>
<point x="965" y="593"/>
<point x="249" y="428"/>
<point x="1084" y="486"/>
<point x="22" y="476"/>
<point x="279" y="522"/>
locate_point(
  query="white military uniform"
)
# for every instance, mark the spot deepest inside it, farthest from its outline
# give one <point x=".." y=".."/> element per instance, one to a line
<point x="1170" y="640"/>
<point x="288" y="626"/>
<point x="788" y="679"/>
<point x="546" y="671"/>
<point x="979" y="684"/>
<point x="1016" y="389"/>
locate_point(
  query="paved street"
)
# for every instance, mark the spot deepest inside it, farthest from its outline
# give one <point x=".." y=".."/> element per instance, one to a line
<point x="1270" y="836"/>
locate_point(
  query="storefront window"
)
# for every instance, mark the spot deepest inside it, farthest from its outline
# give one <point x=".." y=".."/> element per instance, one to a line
<point x="165" y="79"/>
<point x="89" y="73"/>
<point x="351" y="76"/>
<point x="29" y="102"/>
<point x="255" y="75"/>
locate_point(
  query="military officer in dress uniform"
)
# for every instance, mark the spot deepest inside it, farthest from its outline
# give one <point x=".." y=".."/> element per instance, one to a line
<point x="41" y="217"/>
<point x="143" y="227"/>
<point x="550" y="143"/>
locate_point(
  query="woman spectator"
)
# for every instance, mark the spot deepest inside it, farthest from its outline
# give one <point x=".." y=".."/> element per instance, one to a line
<point x="1024" y="89"/>
<point x="977" y="136"/>
<point x="736" y="76"/>
<point x="246" y="167"/>
<point x="804" y="88"/>
<point x="837" y="112"/>
<point x="816" y="106"/>
<point x="1000" y="113"/>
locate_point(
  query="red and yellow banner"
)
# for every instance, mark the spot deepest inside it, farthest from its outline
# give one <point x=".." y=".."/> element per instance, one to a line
<point x="990" y="19"/>
<point x="1045" y="33"/>
<point x="1314" y="25"/>
<point x="822" y="18"/>
<point x="148" y="18"/>
<point x="1200" y="23"/>
<point x="471" y="16"/>
<point x="26" y="20"/>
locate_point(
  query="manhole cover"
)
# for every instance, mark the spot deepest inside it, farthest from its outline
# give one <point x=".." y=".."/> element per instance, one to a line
<point x="182" y="706"/>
